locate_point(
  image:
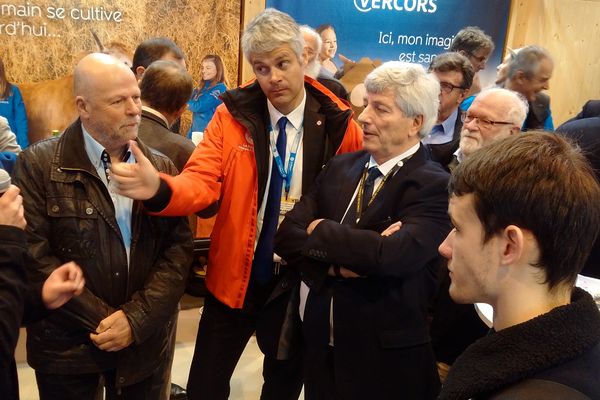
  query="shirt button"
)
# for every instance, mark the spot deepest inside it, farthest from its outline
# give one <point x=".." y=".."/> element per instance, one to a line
<point x="89" y="211"/>
<point x="117" y="274"/>
<point x="55" y="208"/>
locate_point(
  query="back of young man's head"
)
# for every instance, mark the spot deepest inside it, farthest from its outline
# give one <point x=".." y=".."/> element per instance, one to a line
<point x="166" y="86"/>
<point x="154" y="49"/>
<point x="541" y="183"/>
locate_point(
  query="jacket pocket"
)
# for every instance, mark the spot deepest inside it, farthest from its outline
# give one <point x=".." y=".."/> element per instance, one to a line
<point x="73" y="226"/>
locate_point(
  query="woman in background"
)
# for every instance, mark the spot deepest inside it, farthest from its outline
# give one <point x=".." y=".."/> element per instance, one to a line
<point x="12" y="108"/>
<point x="205" y="98"/>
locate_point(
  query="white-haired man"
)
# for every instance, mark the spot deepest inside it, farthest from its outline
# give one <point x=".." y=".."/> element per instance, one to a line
<point x="312" y="46"/>
<point x="263" y="148"/>
<point x="368" y="281"/>
<point x="494" y="114"/>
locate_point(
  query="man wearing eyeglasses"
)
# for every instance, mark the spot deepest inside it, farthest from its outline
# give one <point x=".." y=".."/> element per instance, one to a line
<point x="495" y="114"/>
<point x="455" y="73"/>
<point x="477" y="46"/>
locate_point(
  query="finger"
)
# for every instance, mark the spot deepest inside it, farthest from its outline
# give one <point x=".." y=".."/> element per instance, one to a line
<point x="140" y="158"/>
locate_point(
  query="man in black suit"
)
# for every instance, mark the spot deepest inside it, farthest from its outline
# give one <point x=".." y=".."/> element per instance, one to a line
<point x="585" y="131"/>
<point x="455" y="73"/>
<point x="590" y="109"/>
<point x="364" y="239"/>
<point x="165" y="89"/>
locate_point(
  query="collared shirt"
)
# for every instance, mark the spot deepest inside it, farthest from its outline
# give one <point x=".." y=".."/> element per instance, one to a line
<point x="157" y="113"/>
<point x="444" y="132"/>
<point x="293" y="128"/>
<point x="123" y="205"/>
<point x="384" y="169"/>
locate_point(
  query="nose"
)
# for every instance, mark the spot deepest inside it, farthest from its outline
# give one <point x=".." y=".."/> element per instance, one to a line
<point x="445" y="248"/>
<point x="133" y="106"/>
<point x="364" y="115"/>
<point x="275" y="75"/>
<point x="546" y="86"/>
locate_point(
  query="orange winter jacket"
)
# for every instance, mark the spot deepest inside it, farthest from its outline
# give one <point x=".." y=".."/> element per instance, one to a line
<point x="231" y="166"/>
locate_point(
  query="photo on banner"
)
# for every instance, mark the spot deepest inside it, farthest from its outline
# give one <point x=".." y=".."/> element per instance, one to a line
<point x="402" y="30"/>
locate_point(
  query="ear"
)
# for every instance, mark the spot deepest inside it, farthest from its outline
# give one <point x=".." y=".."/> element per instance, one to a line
<point x="462" y="96"/>
<point x="520" y="76"/>
<point x="82" y="106"/>
<point x="304" y="59"/>
<point x="512" y="245"/>
<point x="416" y="124"/>
<point x="139" y="72"/>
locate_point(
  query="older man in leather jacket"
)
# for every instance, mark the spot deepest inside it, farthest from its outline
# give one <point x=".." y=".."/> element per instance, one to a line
<point x="118" y="331"/>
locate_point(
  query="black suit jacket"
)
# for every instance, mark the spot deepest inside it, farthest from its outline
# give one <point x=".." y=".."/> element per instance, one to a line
<point x="590" y="109"/>
<point x="586" y="133"/>
<point x="381" y="336"/>
<point x="155" y="133"/>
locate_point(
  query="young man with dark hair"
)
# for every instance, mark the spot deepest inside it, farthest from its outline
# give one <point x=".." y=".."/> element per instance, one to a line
<point x="525" y="215"/>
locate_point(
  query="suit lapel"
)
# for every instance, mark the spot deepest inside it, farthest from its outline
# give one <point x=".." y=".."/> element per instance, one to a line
<point x="373" y="212"/>
<point x="312" y="142"/>
<point x="349" y="179"/>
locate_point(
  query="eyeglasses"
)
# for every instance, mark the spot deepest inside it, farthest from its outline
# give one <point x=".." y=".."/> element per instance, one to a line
<point x="480" y="60"/>
<point x="482" y="122"/>
<point x="447" y="87"/>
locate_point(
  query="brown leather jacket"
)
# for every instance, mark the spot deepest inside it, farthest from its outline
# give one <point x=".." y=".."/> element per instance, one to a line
<point x="70" y="216"/>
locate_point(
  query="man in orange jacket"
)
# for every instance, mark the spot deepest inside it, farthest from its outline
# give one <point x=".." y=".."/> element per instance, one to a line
<point x="262" y="150"/>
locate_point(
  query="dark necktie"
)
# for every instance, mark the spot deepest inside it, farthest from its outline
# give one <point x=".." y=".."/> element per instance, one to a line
<point x="262" y="265"/>
<point x="372" y="174"/>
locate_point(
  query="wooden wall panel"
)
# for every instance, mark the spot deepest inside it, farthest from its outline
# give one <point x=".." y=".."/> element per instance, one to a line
<point x="250" y="8"/>
<point x="570" y="31"/>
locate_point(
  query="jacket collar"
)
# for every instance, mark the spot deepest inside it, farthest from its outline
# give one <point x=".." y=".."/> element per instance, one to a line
<point x="154" y="115"/>
<point x="511" y="355"/>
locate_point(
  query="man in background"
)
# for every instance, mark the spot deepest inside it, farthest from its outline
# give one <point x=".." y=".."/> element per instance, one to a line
<point x="529" y="73"/>
<point x="165" y="89"/>
<point x="494" y="114"/>
<point x="477" y="46"/>
<point x="312" y="46"/>
<point x="455" y="73"/>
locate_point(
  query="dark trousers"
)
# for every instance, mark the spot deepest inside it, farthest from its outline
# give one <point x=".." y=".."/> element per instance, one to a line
<point x="223" y="333"/>
<point x="89" y="387"/>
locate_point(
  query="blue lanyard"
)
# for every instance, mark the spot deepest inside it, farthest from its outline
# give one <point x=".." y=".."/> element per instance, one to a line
<point x="287" y="176"/>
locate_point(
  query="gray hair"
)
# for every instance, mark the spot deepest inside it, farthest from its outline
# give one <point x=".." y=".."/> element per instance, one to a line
<point x="470" y="39"/>
<point x="417" y="92"/>
<point x="269" y="30"/>
<point x="310" y="31"/>
<point x="527" y="60"/>
<point x="517" y="104"/>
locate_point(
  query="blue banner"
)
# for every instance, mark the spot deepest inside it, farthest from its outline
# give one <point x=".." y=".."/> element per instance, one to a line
<point x="404" y="30"/>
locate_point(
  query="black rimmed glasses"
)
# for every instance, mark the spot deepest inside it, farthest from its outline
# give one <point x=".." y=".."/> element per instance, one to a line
<point x="447" y="87"/>
<point x="482" y="122"/>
